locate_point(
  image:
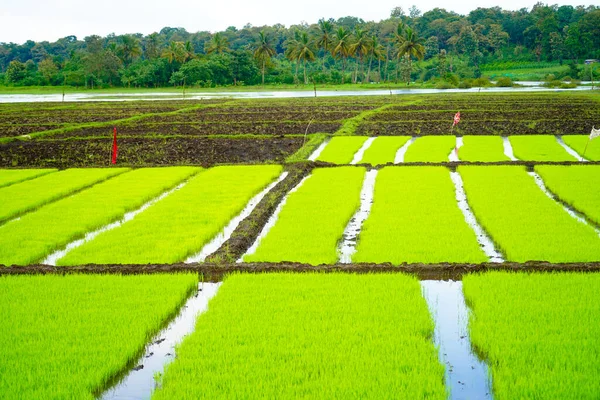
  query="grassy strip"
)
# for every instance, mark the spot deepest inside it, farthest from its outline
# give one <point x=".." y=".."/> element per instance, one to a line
<point x="522" y="220"/>
<point x="350" y="125"/>
<point x="310" y="336"/>
<point x="12" y="176"/>
<point x="22" y="241"/>
<point x="383" y="150"/>
<point x="539" y="333"/>
<point x="181" y="224"/>
<point x="307" y="148"/>
<point x="341" y="150"/>
<point x="65" y="337"/>
<point x="32" y="194"/>
<point x="430" y="149"/>
<point x="406" y="216"/>
<point x="539" y="148"/>
<point x="314" y="218"/>
<point x="579" y="143"/>
<point x="576" y="185"/>
<point x="482" y="148"/>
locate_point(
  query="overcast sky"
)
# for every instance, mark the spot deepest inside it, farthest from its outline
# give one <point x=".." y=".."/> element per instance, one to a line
<point x="50" y="20"/>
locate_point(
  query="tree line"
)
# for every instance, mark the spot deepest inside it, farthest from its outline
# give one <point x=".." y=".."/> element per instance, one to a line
<point x="437" y="44"/>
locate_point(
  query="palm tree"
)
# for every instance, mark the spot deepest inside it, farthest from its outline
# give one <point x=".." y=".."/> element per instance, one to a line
<point x="188" y="51"/>
<point x="325" y="37"/>
<point x="263" y="52"/>
<point x="175" y="52"/>
<point x="376" y="51"/>
<point x="291" y="52"/>
<point x="218" y="44"/>
<point x="129" y="49"/>
<point x="411" y="46"/>
<point x="341" y="47"/>
<point x="152" y="46"/>
<point x="360" y="48"/>
<point x="305" y="51"/>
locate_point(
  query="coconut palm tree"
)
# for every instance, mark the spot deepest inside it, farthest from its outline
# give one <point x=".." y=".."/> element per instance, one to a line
<point x="378" y="52"/>
<point x="175" y="52"/>
<point x="305" y="51"/>
<point x="291" y="51"/>
<point x="263" y="52"/>
<point x="129" y="49"/>
<point x="341" y="47"/>
<point x="360" y="48"/>
<point x="411" y="46"/>
<point x="324" y="37"/>
<point x="218" y="44"/>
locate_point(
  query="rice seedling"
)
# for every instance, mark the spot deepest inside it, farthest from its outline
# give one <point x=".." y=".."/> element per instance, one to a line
<point x="314" y="218"/>
<point x="31" y="194"/>
<point x="539" y="148"/>
<point x="538" y="332"/>
<point x="415" y="218"/>
<point x="430" y="149"/>
<point x="12" y="176"/>
<point x="182" y="223"/>
<point x="309" y="336"/>
<point x="482" y="148"/>
<point x="524" y="223"/>
<point x="341" y="150"/>
<point x="576" y="185"/>
<point x="65" y="337"/>
<point x="383" y="150"/>
<point x="579" y="143"/>
<point x="53" y="226"/>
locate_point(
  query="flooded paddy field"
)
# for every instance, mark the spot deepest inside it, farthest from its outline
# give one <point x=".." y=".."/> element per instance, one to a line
<point x="276" y="247"/>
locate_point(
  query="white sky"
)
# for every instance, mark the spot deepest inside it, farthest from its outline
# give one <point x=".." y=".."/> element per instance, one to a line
<point x="50" y="20"/>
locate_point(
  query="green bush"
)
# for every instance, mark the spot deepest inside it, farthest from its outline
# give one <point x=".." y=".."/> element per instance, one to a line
<point x="504" y="81"/>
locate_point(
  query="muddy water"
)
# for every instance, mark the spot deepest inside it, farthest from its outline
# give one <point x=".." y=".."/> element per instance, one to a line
<point x="508" y="150"/>
<point x="139" y="381"/>
<point x="569" y="210"/>
<point x="350" y="238"/>
<point x="485" y="242"/>
<point x="272" y="220"/>
<point x="399" y="158"/>
<point x="57" y="255"/>
<point x="226" y="233"/>
<point x="361" y="152"/>
<point x="318" y="151"/>
<point x="466" y="376"/>
<point x="569" y="149"/>
<point x="453" y="156"/>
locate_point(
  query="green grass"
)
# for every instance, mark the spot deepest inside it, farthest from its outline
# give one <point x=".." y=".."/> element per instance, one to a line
<point x="65" y="337"/>
<point x="576" y="185"/>
<point x="341" y="150"/>
<point x="522" y="220"/>
<point x="539" y="148"/>
<point x="307" y="149"/>
<point x="310" y="336"/>
<point x="182" y="223"/>
<point x="351" y="124"/>
<point x="482" y="148"/>
<point x="383" y="150"/>
<point x="29" y="195"/>
<point x="578" y="143"/>
<point x="415" y="218"/>
<point x="430" y="149"/>
<point x="53" y="226"/>
<point x="314" y="218"/>
<point x="538" y="332"/>
<point x="12" y="176"/>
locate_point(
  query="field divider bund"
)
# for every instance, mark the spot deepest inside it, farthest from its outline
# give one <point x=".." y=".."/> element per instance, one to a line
<point x="214" y="272"/>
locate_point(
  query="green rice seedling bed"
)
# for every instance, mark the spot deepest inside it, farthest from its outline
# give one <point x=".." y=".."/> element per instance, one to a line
<point x="314" y="218"/>
<point x="415" y="218"/>
<point x="579" y="143"/>
<point x="576" y="185"/>
<point x="539" y="148"/>
<point x="538" y="332"/>
<point x="482" y="148"/>
<point x="430" y="149"/>
<point x="289" y="336"/>
<point x="182" y="223"/>
<point x="36" y="235"/>
<point x="12" y="176"/>
<point x="26" y="196"/>
<point x="66" y="337"/>
<point x="383" y="150"/>
<point x="522" y="220"/>
<point x="341" y="150"/>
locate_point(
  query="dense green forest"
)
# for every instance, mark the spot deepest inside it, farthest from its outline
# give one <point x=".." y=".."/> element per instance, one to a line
<point x="437" y="45"/>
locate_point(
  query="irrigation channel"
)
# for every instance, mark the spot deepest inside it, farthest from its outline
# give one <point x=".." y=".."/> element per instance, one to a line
<point x="569" y="150"/>
<point x="139" y="382"/>
<point x="399" y="158"/>
<point x="508" y="150"/>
